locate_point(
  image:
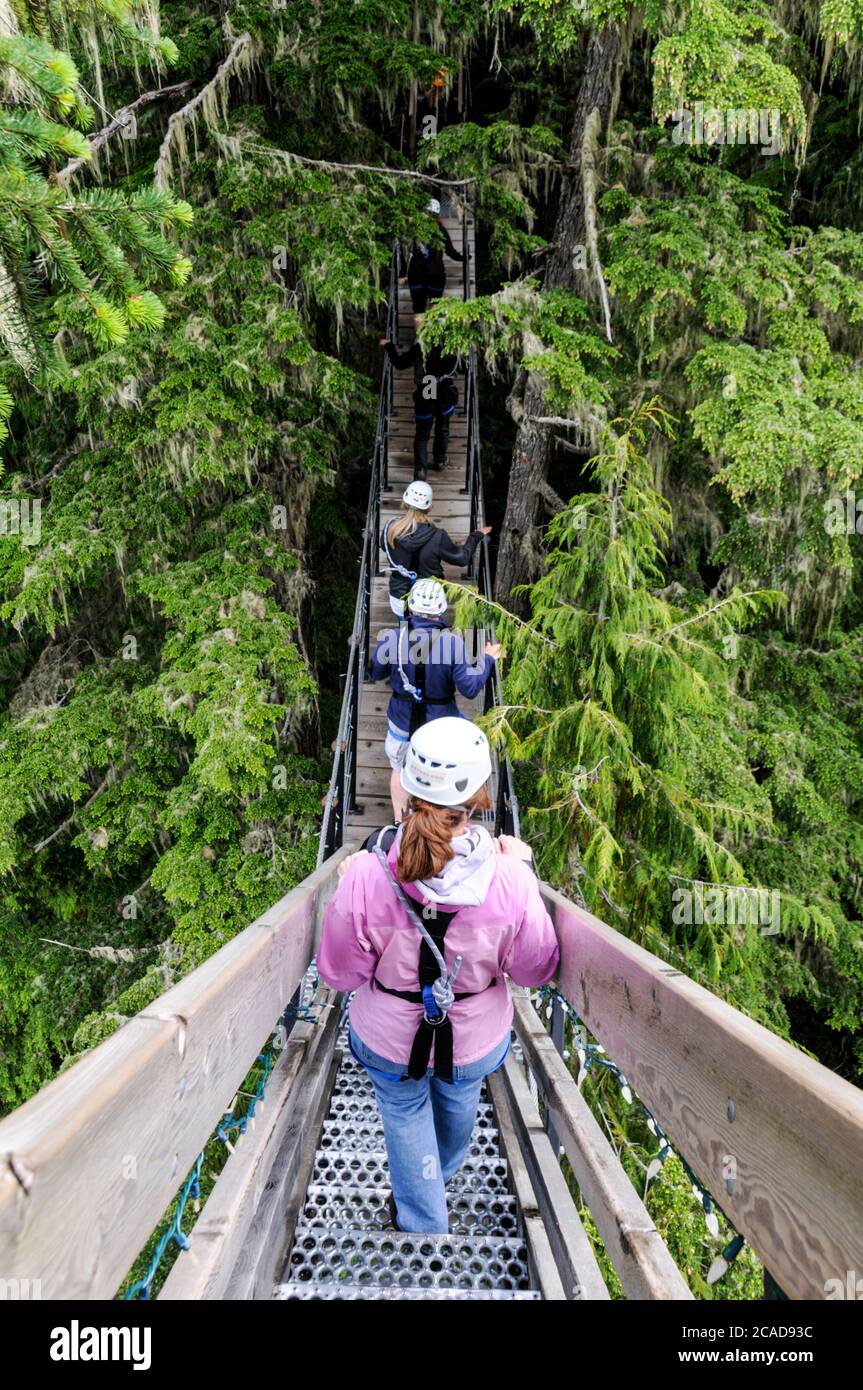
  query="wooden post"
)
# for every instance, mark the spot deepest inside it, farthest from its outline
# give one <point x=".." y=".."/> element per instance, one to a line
<point x="577" y="1265"/>
<point x="558" y="1035"/>
<point x="540" y="1255"/>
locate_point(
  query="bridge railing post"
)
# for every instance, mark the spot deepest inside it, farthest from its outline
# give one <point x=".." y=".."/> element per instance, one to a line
<point x="558" y="1037"/>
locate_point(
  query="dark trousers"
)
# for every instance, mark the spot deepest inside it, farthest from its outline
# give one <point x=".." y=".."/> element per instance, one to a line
<point x="439" y="421"/>
<point x="423" y="295"/>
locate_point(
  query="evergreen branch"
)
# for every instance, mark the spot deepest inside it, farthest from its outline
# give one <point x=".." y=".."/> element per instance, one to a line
<point x="14" y="328"/>
<point x="530" y="709"/>
<point x="730" y="598"/>
<point x="482" y="602"/>
<point x="109" y="777"/>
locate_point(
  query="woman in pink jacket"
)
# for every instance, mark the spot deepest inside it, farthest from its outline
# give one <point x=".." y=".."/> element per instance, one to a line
<point x="424" y="929"/>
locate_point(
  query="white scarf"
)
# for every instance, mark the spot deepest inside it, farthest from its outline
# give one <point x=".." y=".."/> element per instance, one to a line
<point x="465" y="879"/>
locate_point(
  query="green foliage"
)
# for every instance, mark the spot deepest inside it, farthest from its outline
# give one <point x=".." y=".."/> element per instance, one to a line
<point x="754" y="331"/>
<point x="730" y="56"/>
<point x="77" y="261"/>
<point x="194" y="402"/>
<point x="509" y="164"/>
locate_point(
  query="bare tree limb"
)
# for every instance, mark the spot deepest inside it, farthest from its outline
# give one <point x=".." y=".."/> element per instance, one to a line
<point x="554" y="502"/>
<point x="121" y="119"/>
<point x="58" y="466"/>
<point x="241" y="43"/>
<point x="61" y="829"/>
<point x="289" y="157"/>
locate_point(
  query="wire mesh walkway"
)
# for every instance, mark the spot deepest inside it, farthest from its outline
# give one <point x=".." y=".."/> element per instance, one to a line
<point x="344" y="1245"/>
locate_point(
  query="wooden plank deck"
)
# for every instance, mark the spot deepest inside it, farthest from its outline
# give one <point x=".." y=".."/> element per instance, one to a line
<point x="451" y="510"/>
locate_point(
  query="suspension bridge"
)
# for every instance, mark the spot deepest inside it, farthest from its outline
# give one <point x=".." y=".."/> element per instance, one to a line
<point x="90" y="1165"/>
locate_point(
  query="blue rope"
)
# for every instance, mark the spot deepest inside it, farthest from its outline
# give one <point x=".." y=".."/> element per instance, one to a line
<point x="191" y="1188"/>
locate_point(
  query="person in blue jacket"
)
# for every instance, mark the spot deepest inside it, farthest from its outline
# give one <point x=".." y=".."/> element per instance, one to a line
<point x="426" y="664"/>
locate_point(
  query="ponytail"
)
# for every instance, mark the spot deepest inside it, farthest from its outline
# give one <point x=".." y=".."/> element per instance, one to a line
<point x="426" y="839"/>
<point x="406" y="524"/>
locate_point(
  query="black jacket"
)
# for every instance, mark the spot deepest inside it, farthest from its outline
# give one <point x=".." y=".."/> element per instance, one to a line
<point x="426" y="266"/>
<point x="425" y="551"/>
<point x="437" y="363"/>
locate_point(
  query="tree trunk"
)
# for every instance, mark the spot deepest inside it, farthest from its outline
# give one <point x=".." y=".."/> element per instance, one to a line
<point x="518" y="555"/>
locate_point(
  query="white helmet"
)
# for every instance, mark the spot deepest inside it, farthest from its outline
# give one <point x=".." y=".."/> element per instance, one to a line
<point x="433" y="206"/>
<point x="446" y="762"/>
<point x="417" y="494"/>
<point x="428" y="598"/>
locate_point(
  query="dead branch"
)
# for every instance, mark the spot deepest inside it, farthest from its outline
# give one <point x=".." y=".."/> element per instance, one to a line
<point x="163" y="160"/>
<point x="120" y="121"/>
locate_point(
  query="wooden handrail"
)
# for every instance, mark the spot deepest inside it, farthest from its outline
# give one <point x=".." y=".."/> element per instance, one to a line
<point x="776" y="1137"/>
<point x="89" y="1165"/>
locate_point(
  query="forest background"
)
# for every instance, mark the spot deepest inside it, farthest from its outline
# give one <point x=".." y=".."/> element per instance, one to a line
<point x="192" y="284"/>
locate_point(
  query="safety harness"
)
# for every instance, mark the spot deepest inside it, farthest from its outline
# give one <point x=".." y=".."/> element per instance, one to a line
<point x="436" y="992"/>
<point x="412" y="690"/>
<point x="391" y="564"/>
<point x="420" y="372"/>
<point x="417" y="693"/>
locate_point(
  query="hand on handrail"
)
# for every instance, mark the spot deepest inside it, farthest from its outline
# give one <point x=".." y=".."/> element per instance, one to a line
<point x="510" y="844"/>
<point x="348" y="860"/>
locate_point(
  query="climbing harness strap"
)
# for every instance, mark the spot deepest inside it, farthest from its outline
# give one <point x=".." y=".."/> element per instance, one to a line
<point x="451" y="376"/>
<point x="443" y="986"/>
<point x="435" y="994"/>
<point x="391" y="564"/>
<point x="412" y="690"/>
<point x="384" y="838"/>
<point x="416" y="692"/>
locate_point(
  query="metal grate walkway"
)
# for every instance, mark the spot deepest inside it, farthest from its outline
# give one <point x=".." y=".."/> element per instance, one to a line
<point x="344" y="1246"/>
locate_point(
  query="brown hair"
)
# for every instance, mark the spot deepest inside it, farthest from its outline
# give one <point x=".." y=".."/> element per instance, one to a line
<point x="426" y="842"/>
<point x="409" y="522"/>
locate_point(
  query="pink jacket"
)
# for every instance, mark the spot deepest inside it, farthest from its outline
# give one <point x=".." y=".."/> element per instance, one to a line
<point x="367" y="932"/>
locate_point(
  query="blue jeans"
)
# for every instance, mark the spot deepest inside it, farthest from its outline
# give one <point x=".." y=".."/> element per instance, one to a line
<point x="427" y="1127"/>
